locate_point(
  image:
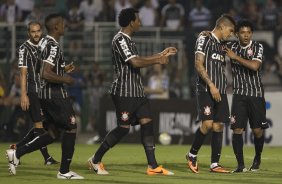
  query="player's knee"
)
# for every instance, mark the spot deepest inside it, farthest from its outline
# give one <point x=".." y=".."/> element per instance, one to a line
<point x="206" y="126"/>
<point x="238" y="131"/>
<point x="258" y="132"/>
<point x="144" y="121"/>
<point x="217" y="127"/>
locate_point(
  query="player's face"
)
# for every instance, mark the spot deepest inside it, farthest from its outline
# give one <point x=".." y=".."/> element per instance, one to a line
<point x="61" y="26"/>
<point x="227" y="32"/>
<point x="136" y="23"/>
<point x="245" y="35"/>
<point x="35" y="33"/>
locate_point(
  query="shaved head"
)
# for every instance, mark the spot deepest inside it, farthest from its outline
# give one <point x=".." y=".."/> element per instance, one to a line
<point x="225" y="20"/>
<point x="51" y="21"/>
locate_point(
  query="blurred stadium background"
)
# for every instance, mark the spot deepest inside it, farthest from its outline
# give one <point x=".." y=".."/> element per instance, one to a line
<point x="90" y="26"/>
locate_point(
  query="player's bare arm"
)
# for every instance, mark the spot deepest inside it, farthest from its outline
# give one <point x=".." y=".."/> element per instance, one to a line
<point x="199" y="65"/>
<point x="160" y="58"/>
<point x="24" y="97"/>
<point x="52" y="77"/>
<point x="251" y="64"/>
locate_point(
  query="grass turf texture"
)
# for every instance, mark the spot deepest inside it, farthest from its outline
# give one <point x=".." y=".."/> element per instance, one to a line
<point x="127" y="164"/>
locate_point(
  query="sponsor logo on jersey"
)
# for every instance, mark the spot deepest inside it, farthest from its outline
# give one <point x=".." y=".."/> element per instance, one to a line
<point x="125" y="47"/>
<point x="53" y="53"/>
<point x="217" y="56"/>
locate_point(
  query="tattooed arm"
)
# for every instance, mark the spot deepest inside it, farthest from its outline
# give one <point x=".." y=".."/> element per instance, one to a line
<point x="199" y="65"/>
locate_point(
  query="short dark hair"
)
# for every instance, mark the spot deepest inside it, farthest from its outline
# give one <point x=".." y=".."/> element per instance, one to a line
<point x="126" y="16"/>
<point x="49" y="20"/>
<point x="225" y="19"/>
<point x="33" y="23"/>
<point x="244" y="23"/>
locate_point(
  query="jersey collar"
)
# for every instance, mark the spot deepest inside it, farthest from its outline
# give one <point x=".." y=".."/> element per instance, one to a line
<point x="29" y="42"/>
<point x="125" y="34"/>
<point x="215" y="37"/>
<point x="48" y="36"/>
<point x="246" y="45"/>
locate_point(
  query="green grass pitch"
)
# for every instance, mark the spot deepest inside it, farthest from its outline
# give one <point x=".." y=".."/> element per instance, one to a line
<point x="127" y="164"/>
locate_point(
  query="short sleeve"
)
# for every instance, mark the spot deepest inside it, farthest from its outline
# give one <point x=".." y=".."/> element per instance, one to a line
<point x="258" y="52"/>
<point x="125" y="47"/>
<point x="201" y="45"/>
<point x="49" y="54"/>
<point x="22" y="57"/>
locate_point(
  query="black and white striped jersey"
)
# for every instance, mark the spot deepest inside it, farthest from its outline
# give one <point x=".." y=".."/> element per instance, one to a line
<point x="28" y="58"/>
<point x="51" y="53"/>
<point x="127" y="81"/>
<point x="246" y="81"/>
<point x="212" y="49"/>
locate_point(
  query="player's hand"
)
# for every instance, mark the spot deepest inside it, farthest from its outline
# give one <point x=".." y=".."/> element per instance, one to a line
<point x="24" y="102"/>
<point x="163" y="60"/>
<point x="215" y="93"/>
<point x="230" y="53"/>
<point x="69" y="68"/>
<point x="170" y="51"/>
<point x="69" y="80"/>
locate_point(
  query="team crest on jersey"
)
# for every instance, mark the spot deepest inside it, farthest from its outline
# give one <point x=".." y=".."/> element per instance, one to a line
<point x="250" y="52"/>
<point x="124" y="116"/>
<point x="232" y="119"/>
<point x="207" y="110"/>
<point x="72" y="120"/>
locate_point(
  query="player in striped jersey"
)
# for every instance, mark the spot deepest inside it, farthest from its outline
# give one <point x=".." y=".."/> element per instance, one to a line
<point x="56" y="105"/>
<point x="248" y="95"/>
<point x="212" y="102"/>
<point x="132" y="106"/>
<point x="29" y="66"/>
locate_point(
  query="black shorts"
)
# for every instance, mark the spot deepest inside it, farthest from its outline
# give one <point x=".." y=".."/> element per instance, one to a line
<point x="59" y="111"/>
<point x="35" y="110"/>
<point x="130" y="109"/>
<point x="246" y="108"/>
<point x="209" y="109"/>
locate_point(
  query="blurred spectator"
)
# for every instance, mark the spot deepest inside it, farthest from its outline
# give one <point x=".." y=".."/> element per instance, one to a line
<point x="19" y="122"/>
<point x="90" y="10"/>
<point x="74" y="24"/>
<point x="35" y="15"/>
<point x="172" y="15"/>
<point x="10" y="12"/>
<point x="26" y="6"/>
<point x="119" y="5"/>
<point x="108" y="13"/>
<point x="270" y="17"/>
<point x="75" y="90"/>
<point x="95" y="91"/>
<point x="234" y="13"/>
<point x="200" y="17"/>
<point x="2" y="87"/>
<point x="251" y="12"/>
<point x="158" y="84"/>
<point x="61" y="7"/>
<point x="148" y="14"/>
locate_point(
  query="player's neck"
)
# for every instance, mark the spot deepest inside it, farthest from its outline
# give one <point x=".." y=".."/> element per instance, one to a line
<point x="55" y="36"/>
<point x="127" y="31"/>
<point x="217" y="34"/>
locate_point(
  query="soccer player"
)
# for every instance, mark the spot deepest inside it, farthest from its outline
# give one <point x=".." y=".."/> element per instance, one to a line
<point x="132" y="107"/>
<point x="29" y="65"/>
<point x="56" y="104"/>
<point x="248" y="94"/>
<point x="212" y="102"/>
